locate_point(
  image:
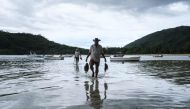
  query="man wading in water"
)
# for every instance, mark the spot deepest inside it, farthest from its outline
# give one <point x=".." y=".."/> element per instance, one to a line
<point x="95" y="52"/>
<point x="77" y="55"/>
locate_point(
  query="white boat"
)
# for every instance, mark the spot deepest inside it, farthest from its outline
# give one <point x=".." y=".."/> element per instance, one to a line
<point x="125" y="58"/>
<point x="67" y="55"/>
<point x="53" y="57"/>
<point x="118" y="55"/>
<point x="34" y="56"/>
<point x="105" y="56"/>
<point x="158" y="55"/>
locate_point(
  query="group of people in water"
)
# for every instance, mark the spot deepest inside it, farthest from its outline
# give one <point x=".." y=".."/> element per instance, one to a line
<point x="95" y="53"/>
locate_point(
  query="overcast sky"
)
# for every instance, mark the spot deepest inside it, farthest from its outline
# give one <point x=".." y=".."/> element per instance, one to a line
<point x="77" y="22"/>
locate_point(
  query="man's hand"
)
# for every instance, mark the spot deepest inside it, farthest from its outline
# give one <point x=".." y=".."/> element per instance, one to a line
<point x="104" y="57"/>
<point x="87" y="56"/>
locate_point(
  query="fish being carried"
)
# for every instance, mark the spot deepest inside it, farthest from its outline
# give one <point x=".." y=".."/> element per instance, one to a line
<point x="86" y="67"/>
<point x="105" y="67"/>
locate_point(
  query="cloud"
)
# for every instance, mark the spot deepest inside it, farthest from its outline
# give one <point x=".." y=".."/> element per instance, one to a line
<point x="135" y="5"/>
<point x="179" y="7"/>
<point x="77" y="22"/>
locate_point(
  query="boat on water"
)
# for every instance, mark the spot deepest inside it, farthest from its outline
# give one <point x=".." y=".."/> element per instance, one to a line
<point x="158" y="55"/>
<point x="118" y="54"/>
<point x="124" y="58"/>
<point x="106" y="55"/>
<point x="34" y="56"/>
<point x="67" y="55"/>
<point x="53" y="57"/>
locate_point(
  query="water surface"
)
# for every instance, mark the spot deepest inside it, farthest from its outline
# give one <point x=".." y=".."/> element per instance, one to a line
<point x="26" y="84"/>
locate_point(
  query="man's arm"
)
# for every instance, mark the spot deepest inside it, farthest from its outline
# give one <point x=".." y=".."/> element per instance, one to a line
<point x="89" y="53"/>
<point x="88" y="56"/>
<point x="103" y="54"/>
<point x="104" y="57"/>
<point x="80" y="55"/>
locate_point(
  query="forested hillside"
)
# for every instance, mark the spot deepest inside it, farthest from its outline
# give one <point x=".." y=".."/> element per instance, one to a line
<point x="173" y="40"/>
<point x="23" y="43"/>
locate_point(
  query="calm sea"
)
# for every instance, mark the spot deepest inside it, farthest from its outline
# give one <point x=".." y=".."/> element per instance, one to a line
<point x="152" y="83"/>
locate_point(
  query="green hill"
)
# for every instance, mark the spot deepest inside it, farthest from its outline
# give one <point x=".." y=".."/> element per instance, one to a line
<point x="173" y="40"/>
<point x="23" y="43"/>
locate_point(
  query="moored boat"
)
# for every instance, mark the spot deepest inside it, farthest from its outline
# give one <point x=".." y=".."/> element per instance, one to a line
<point x="125" y="58"/>
<point x="158" y="55"/>
<point x="67" y="55"/>
<point x="34" y="56"/>
<point x="53" y="57"/>
<point x="106" y="55"/>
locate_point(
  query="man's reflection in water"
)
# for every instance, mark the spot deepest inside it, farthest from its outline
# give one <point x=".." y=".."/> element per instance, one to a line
<point x="93" y="93"/>
<point x="105" y="89"/>
<point x="76" y="67"/>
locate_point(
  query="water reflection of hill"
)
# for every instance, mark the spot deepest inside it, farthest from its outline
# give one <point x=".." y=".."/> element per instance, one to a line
<point x="175" y="71"/>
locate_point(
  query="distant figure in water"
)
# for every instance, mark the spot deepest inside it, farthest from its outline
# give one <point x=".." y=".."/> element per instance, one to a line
<point x="95" y="52"/>
<point x="77" y="56"/>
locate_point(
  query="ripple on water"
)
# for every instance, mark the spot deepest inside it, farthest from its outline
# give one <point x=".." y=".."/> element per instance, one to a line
<point x="60" y="84"/>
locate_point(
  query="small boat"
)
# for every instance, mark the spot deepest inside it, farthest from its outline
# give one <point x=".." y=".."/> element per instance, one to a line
<point x="158" y="55"/>
<point x="53" y="57"/>
<point x="67" y="55"/>
<point x="105" y="56"/>
<point x="118" y="55"/>
<point x="31" y="55"/>
<point x="125" y="58"/>
<point x="34" y="56"/>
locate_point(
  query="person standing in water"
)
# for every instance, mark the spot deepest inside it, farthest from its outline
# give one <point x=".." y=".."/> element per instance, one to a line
<point x="77" y="56"/>
<point x="95" y="52"/>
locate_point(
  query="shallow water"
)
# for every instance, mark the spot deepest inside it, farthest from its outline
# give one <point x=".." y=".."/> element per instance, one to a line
<point x="60" y="84"/>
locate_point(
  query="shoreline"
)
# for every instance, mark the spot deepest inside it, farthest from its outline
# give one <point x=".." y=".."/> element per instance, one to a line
<point x="86" y="54"/>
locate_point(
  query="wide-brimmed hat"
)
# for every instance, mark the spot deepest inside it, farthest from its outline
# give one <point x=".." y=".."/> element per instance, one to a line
<point x="96" y="39"/>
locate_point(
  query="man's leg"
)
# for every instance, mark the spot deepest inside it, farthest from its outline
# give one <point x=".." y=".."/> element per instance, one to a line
<point x="77" y="60"/>
<point x="97" y="68"/>
<point x="92" y="67"/>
